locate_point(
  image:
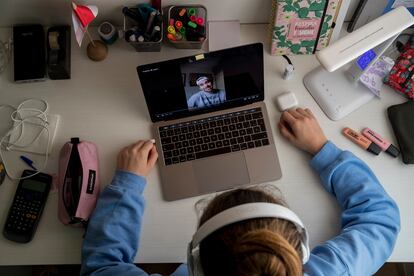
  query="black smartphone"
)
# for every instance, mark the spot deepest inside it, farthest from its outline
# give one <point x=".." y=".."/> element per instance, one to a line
<point x="27" y="207"/>
<point x="29" y="53"/>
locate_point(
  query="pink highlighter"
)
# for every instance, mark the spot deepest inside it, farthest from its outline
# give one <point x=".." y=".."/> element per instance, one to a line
<point x="381" y="142"/>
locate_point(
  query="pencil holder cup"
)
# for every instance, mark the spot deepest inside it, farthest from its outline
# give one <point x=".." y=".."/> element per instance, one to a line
<point x="187" y="26"/>
<point x="143" y="28"/>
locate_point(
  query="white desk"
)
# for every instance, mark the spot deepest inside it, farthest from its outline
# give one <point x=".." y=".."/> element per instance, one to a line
<point x="103" y="102"/>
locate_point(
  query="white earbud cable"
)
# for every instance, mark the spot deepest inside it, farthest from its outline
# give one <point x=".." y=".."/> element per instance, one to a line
<point x="20" y="121"/>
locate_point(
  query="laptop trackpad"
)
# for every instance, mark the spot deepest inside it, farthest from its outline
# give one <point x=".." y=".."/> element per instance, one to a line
<point x="221" y="172"/>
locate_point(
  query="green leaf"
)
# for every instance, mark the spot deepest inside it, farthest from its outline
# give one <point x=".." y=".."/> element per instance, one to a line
<point x="309" y="50"/>
<point x="296" y="5"/>
<point x="303" y="12"/>
<point x="295" y="48"/>
<point x="315" y="6"/>
<point x="281" y="44"/>
<point x="289" y="8"/>
<point x="318" y="14"/>
<point x="325" y="28"/>
<point x="307" y="43"/>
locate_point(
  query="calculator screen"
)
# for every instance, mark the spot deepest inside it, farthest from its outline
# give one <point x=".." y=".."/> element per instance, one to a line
<point x="34" y="185"/>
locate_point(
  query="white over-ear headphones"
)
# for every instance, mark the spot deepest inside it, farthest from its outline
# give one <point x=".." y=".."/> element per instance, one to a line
<point x="240" y="213"/>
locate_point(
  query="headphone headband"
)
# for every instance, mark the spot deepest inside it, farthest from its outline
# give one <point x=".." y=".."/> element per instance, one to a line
<point x="240" y="213"/>
<point x="201" y="78"/>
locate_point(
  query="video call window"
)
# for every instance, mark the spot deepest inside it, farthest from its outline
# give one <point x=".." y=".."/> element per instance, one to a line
<point x="204" y="86"/>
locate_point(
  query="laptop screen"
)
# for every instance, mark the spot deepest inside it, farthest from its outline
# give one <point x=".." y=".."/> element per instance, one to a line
<point x="203" y="83"/>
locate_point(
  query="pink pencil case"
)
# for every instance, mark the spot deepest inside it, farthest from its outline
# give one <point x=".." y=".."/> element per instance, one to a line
<point x="78" y="182"/>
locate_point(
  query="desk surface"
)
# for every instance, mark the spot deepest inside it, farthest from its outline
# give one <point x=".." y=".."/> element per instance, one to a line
<point x="103" y="103"/>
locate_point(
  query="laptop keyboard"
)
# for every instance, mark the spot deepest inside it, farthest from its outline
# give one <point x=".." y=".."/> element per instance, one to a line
<point x="213" y="136"/>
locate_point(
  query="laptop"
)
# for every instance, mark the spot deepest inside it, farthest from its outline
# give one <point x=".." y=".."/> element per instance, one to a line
<point x="211" y="126"/>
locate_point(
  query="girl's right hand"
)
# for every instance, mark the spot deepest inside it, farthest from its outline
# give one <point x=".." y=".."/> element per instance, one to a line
<point x="300" y="127"/>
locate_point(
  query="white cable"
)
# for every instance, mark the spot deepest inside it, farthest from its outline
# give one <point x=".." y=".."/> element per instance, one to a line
<point x="19" y="121"/>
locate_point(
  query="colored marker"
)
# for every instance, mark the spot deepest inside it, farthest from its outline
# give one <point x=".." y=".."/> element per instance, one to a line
<point x="193" y="18"/>
<point x="178" y="36"/>
<point x="28" y="162"/>
<point x="171" y="21"/>
<point x="192" y="24"/>
<point x="361" y="141"/>
<point x="381" y="142"/>
<point x="171" y="37"/>
<point x="171" y="30"/>
<point x="178" y="24"/>
<point x="200" y="21"/>
<point x="182" y="12"/>
<point x="192" y="11"/>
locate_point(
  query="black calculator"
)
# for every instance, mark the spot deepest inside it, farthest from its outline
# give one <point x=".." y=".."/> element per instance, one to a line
<point x="27" y="206"/>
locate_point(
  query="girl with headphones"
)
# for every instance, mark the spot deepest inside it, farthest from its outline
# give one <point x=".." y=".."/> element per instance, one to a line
<point x="250" y="231"/>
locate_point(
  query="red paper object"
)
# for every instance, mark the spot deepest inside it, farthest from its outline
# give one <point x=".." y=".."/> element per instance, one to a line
<point x="85" y="14"/>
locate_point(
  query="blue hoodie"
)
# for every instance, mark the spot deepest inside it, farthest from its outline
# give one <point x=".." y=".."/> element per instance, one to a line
<point x="370" y="222"/>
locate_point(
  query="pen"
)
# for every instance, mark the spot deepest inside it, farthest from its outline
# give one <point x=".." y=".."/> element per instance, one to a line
<point x="28" y="162"/>
<point x="155" y="31"/>
<point x="150" y="21"/>
<point x="381" y="142"/>
<point x="361" y="141"/>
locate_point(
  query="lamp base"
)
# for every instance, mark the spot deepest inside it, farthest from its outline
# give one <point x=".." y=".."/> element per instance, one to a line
<point x="335" y="93"/>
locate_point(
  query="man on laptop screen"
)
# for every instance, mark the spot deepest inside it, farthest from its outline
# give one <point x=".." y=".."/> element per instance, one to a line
<point x="207" y="96"/>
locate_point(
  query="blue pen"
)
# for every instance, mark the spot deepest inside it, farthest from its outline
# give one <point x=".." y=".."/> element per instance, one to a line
<point x="28" y="162"/>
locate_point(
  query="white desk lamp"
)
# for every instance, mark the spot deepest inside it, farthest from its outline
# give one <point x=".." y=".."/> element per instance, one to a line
<point x="340" y="93"/>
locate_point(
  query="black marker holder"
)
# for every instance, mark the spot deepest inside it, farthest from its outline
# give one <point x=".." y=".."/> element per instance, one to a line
<point x="145" y="46"/>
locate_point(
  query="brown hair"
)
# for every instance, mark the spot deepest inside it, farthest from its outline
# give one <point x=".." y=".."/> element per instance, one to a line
<point x="262" y="246"/>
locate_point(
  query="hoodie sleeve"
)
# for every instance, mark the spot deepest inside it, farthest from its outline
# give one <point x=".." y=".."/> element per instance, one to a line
<point x="112" y="238"/>
<point x="370" y="219"/>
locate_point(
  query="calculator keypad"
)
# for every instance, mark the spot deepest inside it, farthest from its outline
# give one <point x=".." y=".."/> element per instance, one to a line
<point x="23" y="213"/>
